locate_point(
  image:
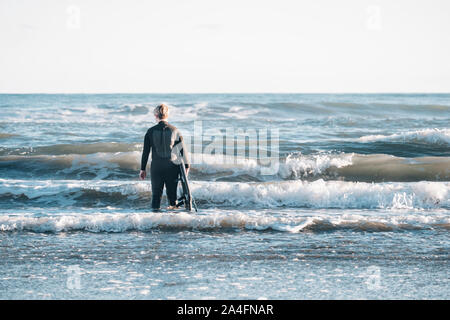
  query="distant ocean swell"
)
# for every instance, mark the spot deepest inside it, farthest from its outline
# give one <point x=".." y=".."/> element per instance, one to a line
<point x="233" y="108"/>
<point x="432" y="136"/>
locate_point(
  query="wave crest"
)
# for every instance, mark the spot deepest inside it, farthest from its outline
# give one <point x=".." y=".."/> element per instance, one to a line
<point x="433" y="136"/>
<point x="120" y="222"/>
<point x="327" y="166"/>
<point x="295" y="194"/>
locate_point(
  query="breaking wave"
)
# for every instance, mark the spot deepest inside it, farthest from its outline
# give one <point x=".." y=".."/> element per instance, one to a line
<point x="220" y="221"/>
<point x="433" y="136"/>
<point x="328" y="166"/>
<point x="287" y="194"/>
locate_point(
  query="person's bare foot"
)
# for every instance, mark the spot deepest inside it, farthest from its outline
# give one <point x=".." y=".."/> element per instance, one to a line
<point x="172" y="208"/>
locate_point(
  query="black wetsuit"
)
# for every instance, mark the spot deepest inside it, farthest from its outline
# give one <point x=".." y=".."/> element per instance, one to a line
<point x="164" y="140"/>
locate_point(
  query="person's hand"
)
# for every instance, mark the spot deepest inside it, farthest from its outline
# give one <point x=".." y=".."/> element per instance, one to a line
<point x="142" y="174"/>
<point x="187" y="171"/>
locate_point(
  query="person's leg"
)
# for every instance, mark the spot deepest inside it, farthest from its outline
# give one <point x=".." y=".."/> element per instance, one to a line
<point x="171" y="182"/>
<point x="157" y="176"/>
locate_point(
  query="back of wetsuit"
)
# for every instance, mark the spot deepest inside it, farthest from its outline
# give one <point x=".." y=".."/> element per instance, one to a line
<point x="166" y="144"/>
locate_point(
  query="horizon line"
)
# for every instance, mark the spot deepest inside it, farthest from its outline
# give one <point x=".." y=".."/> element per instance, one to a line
<point x="118" y="92"/>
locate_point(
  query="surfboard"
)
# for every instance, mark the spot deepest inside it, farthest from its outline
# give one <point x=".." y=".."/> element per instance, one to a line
<point x="186" y="198"/>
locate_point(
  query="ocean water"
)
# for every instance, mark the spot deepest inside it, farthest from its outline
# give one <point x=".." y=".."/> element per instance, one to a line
<point x="357" y="207"/>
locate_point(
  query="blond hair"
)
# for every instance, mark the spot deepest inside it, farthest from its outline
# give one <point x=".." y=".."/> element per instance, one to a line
<point x="161" y="111"/>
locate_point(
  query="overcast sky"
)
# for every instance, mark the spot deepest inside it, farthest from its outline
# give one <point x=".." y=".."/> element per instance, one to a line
<point x="224" y="46"/>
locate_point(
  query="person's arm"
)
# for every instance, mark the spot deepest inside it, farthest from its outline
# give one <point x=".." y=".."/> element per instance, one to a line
<point x="145" y="154"/>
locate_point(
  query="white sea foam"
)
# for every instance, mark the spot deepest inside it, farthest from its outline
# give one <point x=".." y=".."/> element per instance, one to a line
<point x="316" y="194"/>
<point x="434" y="136"/>
<point x="256" y="221"/>
<point x="326" y="194"/>
<point x="298" y="166"/>
<point x="210" y="163"/>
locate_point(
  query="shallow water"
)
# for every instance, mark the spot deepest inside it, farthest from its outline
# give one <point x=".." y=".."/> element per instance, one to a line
<point x="358" y="208"/>
<point x="170" y="264"/>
